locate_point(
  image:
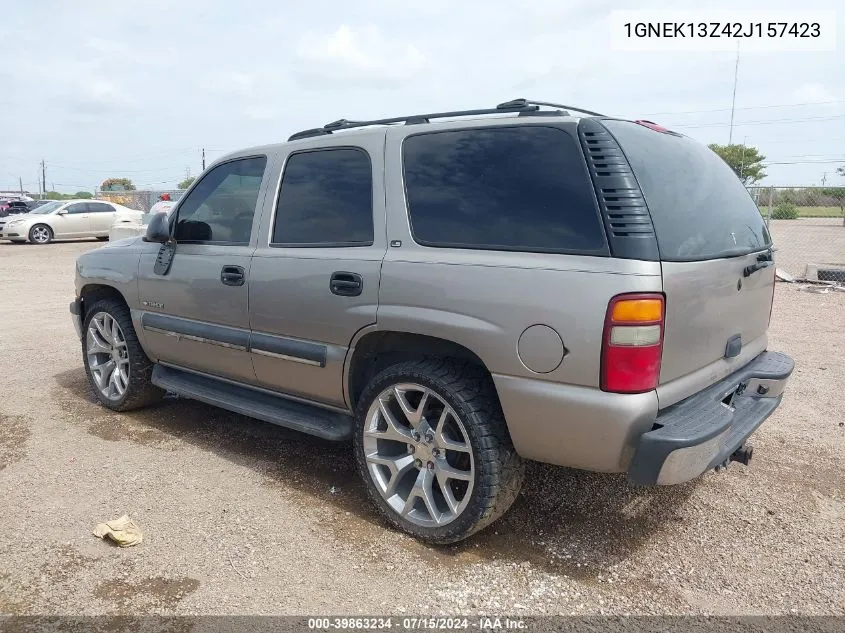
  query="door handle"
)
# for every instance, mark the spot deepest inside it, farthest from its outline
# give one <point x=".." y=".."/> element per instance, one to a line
<point x="346" y="284"/>
<point x="232" y="276"/>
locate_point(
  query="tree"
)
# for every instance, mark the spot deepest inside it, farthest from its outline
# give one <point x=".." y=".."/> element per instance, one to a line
<point x="55" y="195"/>
<point x="117" y="184"/>
<point x="85" y="195"/>
<point x="838" y="195"/>
<point x="187" y="182"/>
<point x="840" y="170"/>
<point x="746" y="161"/>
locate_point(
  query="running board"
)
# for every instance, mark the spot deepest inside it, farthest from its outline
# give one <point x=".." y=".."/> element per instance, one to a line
<point x="255" y="404"/>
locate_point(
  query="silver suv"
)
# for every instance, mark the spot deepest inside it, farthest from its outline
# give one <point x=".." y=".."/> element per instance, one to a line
<point x="455" y="297"/>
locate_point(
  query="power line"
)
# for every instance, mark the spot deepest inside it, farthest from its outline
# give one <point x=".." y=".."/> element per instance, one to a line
<point x="767" y="122"/>
<point x="117" y="171"/>
<point x="762" y="107"/>
<point x="805" y="162"/>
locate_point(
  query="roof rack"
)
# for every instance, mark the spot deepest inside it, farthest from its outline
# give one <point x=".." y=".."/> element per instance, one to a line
<point x="520" y="106"/>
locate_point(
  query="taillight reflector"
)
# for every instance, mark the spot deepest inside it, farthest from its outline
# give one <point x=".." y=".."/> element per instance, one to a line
<point x="632" y="344"/>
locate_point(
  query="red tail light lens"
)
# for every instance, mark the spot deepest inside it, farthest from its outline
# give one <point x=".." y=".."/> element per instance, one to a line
<point x="632" y="344"/>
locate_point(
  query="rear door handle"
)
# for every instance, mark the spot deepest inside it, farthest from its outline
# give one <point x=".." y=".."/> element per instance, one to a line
<point x="346" y="284"/>
<point x="233" y="275"/>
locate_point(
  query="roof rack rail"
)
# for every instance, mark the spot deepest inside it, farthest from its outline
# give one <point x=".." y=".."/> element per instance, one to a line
<point x="521" y="106"/>
<point x="524" y="102"/>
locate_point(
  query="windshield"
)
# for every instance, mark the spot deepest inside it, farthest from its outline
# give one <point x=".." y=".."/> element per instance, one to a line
<point x="699" y="208"/>
<point x="49" y="207"/>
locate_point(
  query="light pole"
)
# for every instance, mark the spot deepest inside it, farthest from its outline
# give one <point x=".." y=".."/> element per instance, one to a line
<point x="733" y="99"/>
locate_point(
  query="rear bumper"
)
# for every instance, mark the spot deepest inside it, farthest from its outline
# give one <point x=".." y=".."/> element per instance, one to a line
<point x="704" y="430"/>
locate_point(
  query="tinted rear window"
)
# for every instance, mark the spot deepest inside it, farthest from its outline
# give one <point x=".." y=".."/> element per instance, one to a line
<point x="522" y="188"/>
<point x="699" y="208"/>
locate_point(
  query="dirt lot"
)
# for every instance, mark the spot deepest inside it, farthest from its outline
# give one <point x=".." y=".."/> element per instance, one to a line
<point x="244" y="517"/>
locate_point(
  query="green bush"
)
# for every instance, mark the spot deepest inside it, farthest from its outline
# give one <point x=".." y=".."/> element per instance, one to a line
<point x="785" y="211"/>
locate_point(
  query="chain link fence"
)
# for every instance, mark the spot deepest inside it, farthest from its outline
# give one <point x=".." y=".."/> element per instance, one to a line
<point x="808" y="229"/>
<point x="138" y="200"/>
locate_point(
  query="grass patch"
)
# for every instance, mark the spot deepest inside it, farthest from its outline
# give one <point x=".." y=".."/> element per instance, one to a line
<point x="812" y="212"/>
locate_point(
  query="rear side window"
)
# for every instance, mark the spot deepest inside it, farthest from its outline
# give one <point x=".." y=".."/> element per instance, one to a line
<point x="520" y="188"/>
<point x="699" y="208"/>
<point x="100" y="207"/>
<point x="326" y="199"/>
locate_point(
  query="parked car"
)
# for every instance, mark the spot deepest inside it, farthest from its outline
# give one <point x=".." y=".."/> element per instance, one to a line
<point x="456" y="297"/>
<point x="14" y="207"/>
<point x="61" y="219"/>
<point x="133" y="223"/>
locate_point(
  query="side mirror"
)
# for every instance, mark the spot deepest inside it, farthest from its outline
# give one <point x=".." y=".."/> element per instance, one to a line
<point x="158" y="230"/>
<point x="61" y="212"/>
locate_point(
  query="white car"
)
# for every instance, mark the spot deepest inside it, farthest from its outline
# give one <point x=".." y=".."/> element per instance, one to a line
<point x="61" y="219"/>
<point x="131" y="223"/>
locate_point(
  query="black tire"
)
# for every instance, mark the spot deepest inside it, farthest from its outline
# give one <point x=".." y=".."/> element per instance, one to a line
<point x="103" y="239"/>
<point x="499" y="471"/>
<point x="140" y="392"/>
<point x="43" y="226"/>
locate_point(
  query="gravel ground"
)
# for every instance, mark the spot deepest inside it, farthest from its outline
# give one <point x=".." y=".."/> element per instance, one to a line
<point x="808" y="241"/>
<point x="244" y="517"/>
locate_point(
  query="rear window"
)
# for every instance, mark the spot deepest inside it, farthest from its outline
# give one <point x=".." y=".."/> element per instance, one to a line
<point x="699" y="208"/>
<point x="520" y="188"/>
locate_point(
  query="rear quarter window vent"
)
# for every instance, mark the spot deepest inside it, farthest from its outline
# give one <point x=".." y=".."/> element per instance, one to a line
<point x="624" y="211"/>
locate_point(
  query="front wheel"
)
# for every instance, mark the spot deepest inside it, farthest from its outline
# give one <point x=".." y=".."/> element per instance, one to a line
<point x="40" y="234"/>
<point x="118" y="369"/>
<point x="434" y="450"/>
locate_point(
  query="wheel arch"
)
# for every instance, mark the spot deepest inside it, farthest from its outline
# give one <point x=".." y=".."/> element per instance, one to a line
<point x="378" y="349"/>
<point x="93" y="292"/>
<point x="40" y="222"/>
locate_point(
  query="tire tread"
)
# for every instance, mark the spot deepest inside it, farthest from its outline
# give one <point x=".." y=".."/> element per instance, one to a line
<point x="140" y="392"/>
<point x="501" y="471"/>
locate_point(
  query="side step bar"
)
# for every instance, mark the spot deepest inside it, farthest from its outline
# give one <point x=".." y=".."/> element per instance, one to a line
<point x="255" y="404"/>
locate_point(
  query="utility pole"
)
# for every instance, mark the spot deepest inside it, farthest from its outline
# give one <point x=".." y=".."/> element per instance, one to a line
<point x="733" y="100"/>
<point x="20" y="182"/>
<point x="742" y="159"/>
<point x="43" y="179"/>
<point x="824" y="178"/>
<point x="203" y="159"/>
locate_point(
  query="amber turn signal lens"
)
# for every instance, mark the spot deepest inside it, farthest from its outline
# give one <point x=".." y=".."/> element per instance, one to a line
<point x="637" y="310"/>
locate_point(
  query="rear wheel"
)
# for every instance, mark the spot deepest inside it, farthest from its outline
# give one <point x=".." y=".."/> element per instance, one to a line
<point x="41" y="234"/>
<point x="433" y="448"/>
<point x="103" y="238"/>
<point x="118" y="369"/>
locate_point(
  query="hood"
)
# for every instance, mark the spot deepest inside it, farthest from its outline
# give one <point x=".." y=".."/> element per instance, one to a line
<point x="25" y="217"/>
<point x="127" y="241"/>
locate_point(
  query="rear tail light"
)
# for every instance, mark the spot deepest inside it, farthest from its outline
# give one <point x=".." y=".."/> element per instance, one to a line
<point x="632" y="343"/>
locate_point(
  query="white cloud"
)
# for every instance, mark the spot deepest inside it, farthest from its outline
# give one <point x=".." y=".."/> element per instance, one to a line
<point x="166" y="75"/>
<point x="363" y="56"/>
<point x="812" y="93"/>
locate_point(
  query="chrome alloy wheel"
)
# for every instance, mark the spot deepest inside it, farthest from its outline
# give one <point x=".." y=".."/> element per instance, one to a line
<point x="108" y="356"/>
<point x="40" y="235"/>
<point x="418" y="454"/>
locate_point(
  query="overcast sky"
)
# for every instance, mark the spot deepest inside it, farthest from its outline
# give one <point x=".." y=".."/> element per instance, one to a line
<point x="101" y="89"/>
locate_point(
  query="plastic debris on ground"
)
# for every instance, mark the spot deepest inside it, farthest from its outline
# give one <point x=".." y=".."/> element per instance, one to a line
<point x="782" y="275"/>
<point x="122" y="531"/>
